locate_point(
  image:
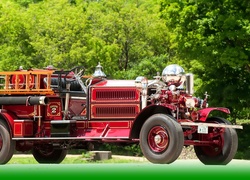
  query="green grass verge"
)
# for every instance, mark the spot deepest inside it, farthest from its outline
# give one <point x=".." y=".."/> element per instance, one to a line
<point x="71" y="160"/>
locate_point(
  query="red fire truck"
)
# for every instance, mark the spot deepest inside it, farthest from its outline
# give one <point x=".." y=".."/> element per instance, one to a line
<point x="49" y="111"/>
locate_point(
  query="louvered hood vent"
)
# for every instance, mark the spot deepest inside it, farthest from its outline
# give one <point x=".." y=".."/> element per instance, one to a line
<point x="115" y="111"/>
<point x="115" y="94"/>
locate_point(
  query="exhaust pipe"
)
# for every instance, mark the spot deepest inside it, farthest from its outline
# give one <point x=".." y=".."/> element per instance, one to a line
<point x="24" y="100"/>
<point x="190" y="84"/>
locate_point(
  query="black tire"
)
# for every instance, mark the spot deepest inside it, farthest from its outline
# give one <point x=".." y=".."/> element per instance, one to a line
<point x="49" y="154"/>
<point x="161" y="139"/>
<point x="7" y="145"/>
<point x="223" y="153"/>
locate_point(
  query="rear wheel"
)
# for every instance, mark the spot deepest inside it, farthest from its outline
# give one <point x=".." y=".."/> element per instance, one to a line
<point x="48" y="154"/>
<point x="224" y="151"/>
<point x="7" y="145"/>
<point x="161" y="139"/>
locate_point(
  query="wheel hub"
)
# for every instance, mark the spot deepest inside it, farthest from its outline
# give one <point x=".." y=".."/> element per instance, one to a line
<point x="158" y="139"/>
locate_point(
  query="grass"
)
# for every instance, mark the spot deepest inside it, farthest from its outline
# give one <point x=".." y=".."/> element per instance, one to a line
<point x="22" y="160"/>
<point x="73" y="160"/>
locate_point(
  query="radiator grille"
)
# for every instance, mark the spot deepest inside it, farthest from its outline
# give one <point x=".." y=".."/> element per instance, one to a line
<point x="115" y="111"/>
<point x="123" y="94"/>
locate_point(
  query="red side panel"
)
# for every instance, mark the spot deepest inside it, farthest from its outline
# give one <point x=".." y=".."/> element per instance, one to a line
<point x="107" y="129"/>
<point x="23" y="128"/>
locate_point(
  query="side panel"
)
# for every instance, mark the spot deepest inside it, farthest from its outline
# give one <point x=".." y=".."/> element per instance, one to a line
<point x="23" y="128"/>
<point x="23" y="111"/>
<point x="101" y="129"/>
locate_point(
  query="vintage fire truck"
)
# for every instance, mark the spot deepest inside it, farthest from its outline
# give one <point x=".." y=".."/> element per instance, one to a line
<point x="48" y="112"/>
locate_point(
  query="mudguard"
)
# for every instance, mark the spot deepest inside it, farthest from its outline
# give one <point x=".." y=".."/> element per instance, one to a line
<point x="203" y="113"/>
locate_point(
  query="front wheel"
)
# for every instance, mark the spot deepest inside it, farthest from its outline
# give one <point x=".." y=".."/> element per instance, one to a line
<point x="224" y="151"/>
<point x="161" y="139"/>
<point x="48" y="154"/>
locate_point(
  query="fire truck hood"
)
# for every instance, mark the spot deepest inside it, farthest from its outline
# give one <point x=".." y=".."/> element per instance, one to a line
<point x="115" y="83"/>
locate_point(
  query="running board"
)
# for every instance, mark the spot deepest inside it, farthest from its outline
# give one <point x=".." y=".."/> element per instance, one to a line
<point x="211" y="125"/>
<point x="73" y="138"/>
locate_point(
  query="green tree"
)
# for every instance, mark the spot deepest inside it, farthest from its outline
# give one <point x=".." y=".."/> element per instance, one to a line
<point x="128" y="32"/>
<point x="57" y="33"/>
<point x="216" y="34"/>
<point x="119" y="34"/>
<point x="14" y="40"/>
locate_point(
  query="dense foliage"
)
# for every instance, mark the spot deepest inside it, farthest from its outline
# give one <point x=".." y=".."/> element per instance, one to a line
<point x="135" y="37"/>
<point x="213" y="37"/>
<point x="119" y="34"/>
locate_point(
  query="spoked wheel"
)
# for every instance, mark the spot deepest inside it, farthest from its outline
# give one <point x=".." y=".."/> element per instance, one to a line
<point x="48" y="154"/>
<point x="7" y="145"/>
<point x="161" y="139"/>
<point x="224" y="151"/>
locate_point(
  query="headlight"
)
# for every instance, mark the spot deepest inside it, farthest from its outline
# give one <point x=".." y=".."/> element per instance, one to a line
<point x="141" y="82"/>
<point x="190" y="103"/>
<point x="173" y="74"/>
<point x="172" y="88"/>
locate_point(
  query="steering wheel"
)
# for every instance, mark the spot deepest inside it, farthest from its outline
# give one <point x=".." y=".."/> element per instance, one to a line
<point x="75" y="75"/>
<point x="72" y="73"/>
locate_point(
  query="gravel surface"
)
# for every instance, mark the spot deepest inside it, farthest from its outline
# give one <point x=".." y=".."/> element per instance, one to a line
<point x="188" y="153"/>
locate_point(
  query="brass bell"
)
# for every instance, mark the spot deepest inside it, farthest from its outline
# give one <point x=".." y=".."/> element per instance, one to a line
<point x="98" y="71"/>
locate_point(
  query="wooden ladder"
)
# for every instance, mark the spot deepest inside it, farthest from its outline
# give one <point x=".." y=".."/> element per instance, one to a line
<point x="25" y="82"/>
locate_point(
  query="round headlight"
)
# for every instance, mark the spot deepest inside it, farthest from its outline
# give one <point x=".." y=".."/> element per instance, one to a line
<point x="173" y="73"/>
<point x="173" y="70"/>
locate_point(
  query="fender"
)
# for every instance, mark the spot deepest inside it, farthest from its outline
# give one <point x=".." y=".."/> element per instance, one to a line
<point x="203" y="113"/>
<point x="145" y="114"/>
<point x="8" y="118"/>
